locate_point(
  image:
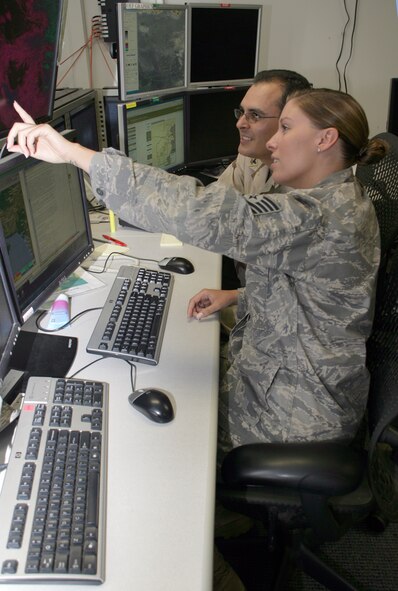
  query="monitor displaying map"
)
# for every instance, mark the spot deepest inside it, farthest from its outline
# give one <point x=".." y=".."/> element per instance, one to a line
<point x="152" y="131"/>
<point x="151" y="48"/>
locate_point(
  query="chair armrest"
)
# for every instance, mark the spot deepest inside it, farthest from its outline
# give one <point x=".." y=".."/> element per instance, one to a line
<point x="321" y="467"/>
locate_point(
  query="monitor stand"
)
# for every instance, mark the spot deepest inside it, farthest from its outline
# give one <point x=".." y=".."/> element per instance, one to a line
<point x="40" y="354"/>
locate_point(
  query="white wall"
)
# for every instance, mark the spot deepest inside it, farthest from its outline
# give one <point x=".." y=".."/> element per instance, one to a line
<point x="303" y="35"/>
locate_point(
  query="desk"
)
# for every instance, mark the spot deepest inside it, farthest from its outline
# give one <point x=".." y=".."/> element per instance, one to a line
<point x="161" y="478"/>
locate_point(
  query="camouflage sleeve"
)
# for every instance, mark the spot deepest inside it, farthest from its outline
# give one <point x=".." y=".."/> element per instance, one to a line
<point x="215" y="217"/>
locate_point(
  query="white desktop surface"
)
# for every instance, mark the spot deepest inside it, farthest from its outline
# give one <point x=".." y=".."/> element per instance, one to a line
<point x="161" y="477"/>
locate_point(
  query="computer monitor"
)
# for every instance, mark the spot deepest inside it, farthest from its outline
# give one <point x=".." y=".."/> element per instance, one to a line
<point x="46" y="226"/>
<point x="223" y="43"/>
<point x="29" y="40"/>
<point x="151" y="48"/>
<point x="211" y="134"/>
<point x="152" y="131"/>
<point x="84" y="120"/>
<point x="9" y="313"/>
<point x="111" y="124"/>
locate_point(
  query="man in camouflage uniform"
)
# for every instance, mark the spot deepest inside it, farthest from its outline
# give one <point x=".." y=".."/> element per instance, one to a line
<point x="297" y="368"/>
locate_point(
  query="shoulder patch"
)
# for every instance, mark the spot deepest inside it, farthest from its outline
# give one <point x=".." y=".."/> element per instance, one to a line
<point x="260" y="204"/>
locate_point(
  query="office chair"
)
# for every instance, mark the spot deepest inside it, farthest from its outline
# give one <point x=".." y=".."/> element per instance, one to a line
<point x="310" y="493"/>
<point x="381" y="182"/>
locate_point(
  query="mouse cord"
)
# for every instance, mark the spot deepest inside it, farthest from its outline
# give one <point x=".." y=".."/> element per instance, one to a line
<point x="84" y="367"/>
<point x="119" y="254"/>
<point x="133" y="373"/>
<point x="133" y="370"/>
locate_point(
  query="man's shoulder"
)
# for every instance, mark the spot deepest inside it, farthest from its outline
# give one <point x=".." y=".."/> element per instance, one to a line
<point x="248" y="175"/>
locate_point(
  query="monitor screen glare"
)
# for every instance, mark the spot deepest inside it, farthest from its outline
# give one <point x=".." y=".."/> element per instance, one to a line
<point x="29" y="35"/>
<point x="151" y="48"/>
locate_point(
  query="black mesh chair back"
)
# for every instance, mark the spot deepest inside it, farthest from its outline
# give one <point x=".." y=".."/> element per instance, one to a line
<point x="381" y="182"/>
<point x="382" y="359"/>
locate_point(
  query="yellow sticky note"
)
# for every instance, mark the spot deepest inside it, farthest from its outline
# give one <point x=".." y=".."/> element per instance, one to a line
<point x="112" y="222"/>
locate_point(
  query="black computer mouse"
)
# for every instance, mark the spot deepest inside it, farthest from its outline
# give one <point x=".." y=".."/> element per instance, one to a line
<point x="177" y="265"/>
<point x="153" y="403"/>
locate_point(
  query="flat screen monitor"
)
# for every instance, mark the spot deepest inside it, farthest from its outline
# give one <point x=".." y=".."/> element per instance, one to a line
<point x="29" y="39"/>
<point x="84" y="120"/>
<point x="211" y="134"/>
<point x="111" y="103"/>
<point x="151" y="48"/>
<point x="9" y="313"/>
<point x="46" y="226"/>
<point x="152" y="132"/>
<point x="223" y="43"/>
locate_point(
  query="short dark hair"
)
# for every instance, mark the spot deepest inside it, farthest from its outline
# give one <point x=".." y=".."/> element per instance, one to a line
<point x="290" y="80"/>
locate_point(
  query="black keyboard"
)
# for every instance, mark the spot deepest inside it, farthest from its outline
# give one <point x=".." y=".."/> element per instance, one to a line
<point x="132" y="322"/>
<point x="53" y="499"/>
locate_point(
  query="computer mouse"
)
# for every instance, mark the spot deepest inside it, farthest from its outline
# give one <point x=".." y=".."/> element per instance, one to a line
<point x="153" y="403"/>
<point x="177" y="265"/>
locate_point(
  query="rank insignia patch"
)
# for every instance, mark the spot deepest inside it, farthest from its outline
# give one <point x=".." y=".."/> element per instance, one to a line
<point x="260" y="204"/>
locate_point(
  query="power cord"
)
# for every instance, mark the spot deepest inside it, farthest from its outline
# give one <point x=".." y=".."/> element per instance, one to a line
<point x="343" y="75"/>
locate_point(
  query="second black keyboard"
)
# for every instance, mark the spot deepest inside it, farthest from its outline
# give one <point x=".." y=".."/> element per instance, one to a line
<point x="132" y="322"/>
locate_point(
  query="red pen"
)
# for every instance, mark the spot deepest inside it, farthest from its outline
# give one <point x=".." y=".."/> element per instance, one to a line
<point x="111" y="239"/>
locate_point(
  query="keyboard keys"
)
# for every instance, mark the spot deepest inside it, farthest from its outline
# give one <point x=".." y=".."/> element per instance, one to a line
<point x="132" y="321"/>
<point x="55" y="511"/>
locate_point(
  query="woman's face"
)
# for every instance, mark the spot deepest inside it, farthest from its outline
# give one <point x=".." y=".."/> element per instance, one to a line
<point x="294" y="149"/>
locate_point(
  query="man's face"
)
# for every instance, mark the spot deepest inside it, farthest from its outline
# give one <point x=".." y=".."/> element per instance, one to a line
<point x="261" y="99"/>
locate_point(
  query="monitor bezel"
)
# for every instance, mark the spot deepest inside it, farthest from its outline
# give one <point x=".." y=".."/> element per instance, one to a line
<point x="124" y="94"/>
<point x="13" y="309"/>
<point x="34" y="302"/>
<point x="228" y="81"/>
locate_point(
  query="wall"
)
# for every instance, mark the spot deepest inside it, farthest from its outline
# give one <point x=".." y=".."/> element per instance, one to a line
<point x="306" y="35"/>
<point x="303" y="35"/>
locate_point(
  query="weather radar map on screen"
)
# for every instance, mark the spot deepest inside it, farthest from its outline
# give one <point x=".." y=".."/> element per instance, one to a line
<point x="151" y="48"/>
<point x="29" y="33"/>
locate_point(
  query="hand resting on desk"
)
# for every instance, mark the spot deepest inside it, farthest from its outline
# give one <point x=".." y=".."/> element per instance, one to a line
<point x="209" y="301"/>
